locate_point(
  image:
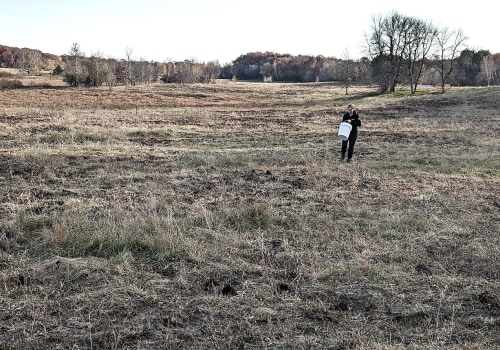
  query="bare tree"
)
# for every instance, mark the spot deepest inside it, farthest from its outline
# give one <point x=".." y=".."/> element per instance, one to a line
<point x="34" y="61"/>
<point x="399" y="47"/>
<point x="76" y="53"/>
<point x="129" y="73"/>
<point x="211" y="71"/>
<point x="141" y="71"/>
<point x="419" y="41"/>
<point x="73" y="63"/>
<point x="487" y="69"/>
<point x="449" y="44"/>
<point x="386" y="45"/>
<point x="346" y="69"/>
<point x="185" y="71"/>
<point x="496" y="68"/>
<point x="110" y="66"/>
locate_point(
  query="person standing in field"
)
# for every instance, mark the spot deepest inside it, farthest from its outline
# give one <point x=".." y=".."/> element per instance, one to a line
<point x="351" y="117"/>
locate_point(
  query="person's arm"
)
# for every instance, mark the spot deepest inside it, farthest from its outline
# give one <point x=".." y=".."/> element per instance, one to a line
<point x="356" y="121"/>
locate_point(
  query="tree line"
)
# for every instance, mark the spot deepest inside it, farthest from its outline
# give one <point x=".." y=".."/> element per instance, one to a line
<point x="77" y="69"/>
<point x="401" y="50"/>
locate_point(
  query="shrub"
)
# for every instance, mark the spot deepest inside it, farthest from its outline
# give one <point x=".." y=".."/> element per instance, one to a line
<point x="10" y="84"/>
<point x="58" y="70"/>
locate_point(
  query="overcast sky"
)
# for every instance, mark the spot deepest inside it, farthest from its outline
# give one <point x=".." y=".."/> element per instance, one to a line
<point x="225" y="29"/>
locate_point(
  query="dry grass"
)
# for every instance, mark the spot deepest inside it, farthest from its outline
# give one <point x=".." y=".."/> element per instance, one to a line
<point x="217" y="216"/>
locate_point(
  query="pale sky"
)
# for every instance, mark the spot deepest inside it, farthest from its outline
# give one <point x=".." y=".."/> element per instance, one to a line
<point x="222" y="30"/>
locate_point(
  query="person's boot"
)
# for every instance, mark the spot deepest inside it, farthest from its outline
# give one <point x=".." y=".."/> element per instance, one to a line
<point x="342" y="157"/>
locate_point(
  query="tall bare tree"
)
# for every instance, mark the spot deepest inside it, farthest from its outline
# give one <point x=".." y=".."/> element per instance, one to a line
<point x="449" y="45"/>
<point x="129" y="72"/>
<point x="346" y="69"/>
<point x="399" y="47"/>
<point x="386" y="45"/>
<point x="487" y="69"/>
<point x="420" y="39"/>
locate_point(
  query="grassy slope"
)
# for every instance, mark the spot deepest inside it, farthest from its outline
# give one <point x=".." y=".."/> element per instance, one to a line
<point x="218" y="217"/>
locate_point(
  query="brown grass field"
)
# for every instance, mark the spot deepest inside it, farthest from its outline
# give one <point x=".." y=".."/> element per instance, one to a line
<point x="219" y="217"/>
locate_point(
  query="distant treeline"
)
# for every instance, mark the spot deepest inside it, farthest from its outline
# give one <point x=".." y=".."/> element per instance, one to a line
<point x="471" y="68"/>
<point x="468" y="68"/>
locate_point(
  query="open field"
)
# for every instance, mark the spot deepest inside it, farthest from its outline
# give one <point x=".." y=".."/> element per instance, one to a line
<point x="218" y="217"/>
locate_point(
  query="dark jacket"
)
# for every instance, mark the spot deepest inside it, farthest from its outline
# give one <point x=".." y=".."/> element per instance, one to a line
<point x="355" y="121"/>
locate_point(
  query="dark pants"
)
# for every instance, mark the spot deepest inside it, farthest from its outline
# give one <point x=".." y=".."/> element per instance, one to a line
<point x="351" y="140"/>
